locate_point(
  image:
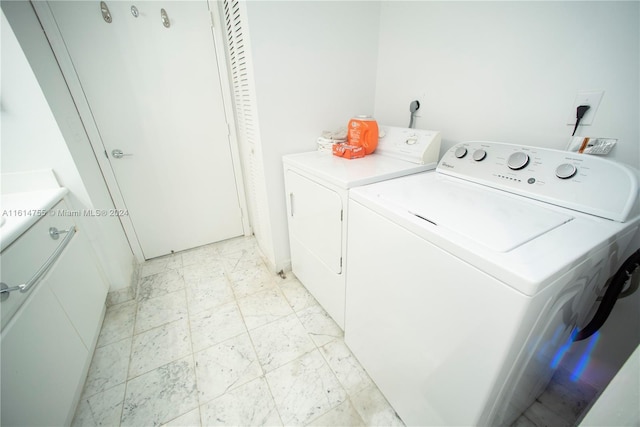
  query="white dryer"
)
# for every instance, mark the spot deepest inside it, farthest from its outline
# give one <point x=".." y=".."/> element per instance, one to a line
<point x="464" y="283"/>
<point x="317" y="185"/>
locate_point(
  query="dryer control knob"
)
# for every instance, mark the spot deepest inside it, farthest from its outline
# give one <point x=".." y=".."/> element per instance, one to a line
<point x="479" y="155"/>
<point x="566" y="171"/>
<point x="518" y="160"/>
<point x="460" y="152"/>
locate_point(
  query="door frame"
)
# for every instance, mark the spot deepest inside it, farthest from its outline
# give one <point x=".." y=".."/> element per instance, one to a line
<point x="53" y="34"/>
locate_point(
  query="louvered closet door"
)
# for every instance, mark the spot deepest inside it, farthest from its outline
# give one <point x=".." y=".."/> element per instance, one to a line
<point x="155" y="94"/>
<point x="240" y="71"/>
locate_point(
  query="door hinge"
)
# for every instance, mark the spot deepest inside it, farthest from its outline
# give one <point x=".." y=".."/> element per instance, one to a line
<point x="341" y="215"/>
<point x="340" y="262"/>
<point x="105" y="154"/>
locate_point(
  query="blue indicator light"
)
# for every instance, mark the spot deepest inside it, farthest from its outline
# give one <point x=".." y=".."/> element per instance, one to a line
<point x="563" y="350"/>
<point x="552" y="343"/>
<point x="584" y="360"/>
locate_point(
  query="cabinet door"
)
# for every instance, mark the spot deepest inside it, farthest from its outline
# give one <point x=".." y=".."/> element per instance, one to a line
<point x="43" y="361"/>
<point x="28" y="254"/>
<point x="315" y="219"/>
<point x="78" y="285"/>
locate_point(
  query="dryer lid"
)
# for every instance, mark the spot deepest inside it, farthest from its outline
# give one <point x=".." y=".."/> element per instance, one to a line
<point x="346" y="173"/>
<point x="501" y="222"/>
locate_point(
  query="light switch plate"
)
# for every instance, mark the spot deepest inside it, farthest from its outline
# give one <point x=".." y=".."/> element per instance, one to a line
<point x="591" y="98"/>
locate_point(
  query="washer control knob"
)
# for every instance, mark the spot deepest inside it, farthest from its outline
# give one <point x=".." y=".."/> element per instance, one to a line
<point x="518" y="160"/>
<point x="566" y="171"/>
<point x="479" y="155"/>
<point x="460" y="152"/>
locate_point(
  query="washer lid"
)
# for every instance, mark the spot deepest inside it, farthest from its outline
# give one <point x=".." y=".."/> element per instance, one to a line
<point x="496" y="220"/>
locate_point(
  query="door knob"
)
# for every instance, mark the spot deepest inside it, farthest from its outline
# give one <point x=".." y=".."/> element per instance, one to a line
<point x="118" y="154"/>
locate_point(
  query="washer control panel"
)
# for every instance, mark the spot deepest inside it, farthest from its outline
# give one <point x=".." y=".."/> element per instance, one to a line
<point x="581" y="182"/>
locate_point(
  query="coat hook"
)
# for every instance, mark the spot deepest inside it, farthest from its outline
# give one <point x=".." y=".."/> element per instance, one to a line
<point x="165" y="18"/>
<point x="134" y="11"/>
<point x="106" y="15"/>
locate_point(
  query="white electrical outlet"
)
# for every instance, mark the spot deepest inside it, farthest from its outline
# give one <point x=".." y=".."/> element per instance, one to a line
<point x="591" y="98"/>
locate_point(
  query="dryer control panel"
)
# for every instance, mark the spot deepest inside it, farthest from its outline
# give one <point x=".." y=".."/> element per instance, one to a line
<point x="412" y="145"/>
<point x="581" y="182"/>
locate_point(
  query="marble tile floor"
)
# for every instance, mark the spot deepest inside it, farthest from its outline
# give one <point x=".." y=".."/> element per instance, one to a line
<point x="213" y="338"/>
<point x="564" y="403"/>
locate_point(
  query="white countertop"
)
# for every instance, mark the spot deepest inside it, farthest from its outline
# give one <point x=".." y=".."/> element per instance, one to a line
<point x="26" y="196"/>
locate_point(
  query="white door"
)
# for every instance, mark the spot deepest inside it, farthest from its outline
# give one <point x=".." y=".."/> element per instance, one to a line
<point x="315" y="220"/>
<point x="155" y="95"/>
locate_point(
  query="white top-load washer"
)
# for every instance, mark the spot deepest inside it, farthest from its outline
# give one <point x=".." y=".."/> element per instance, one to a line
<point x="465" y="283"/>
<point x="317" y="185"/>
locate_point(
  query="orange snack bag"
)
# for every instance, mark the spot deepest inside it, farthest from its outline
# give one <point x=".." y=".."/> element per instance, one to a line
<point x="348" y="151"/>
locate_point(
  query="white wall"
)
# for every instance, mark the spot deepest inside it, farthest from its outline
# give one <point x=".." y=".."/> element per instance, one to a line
<point x="504" y="71"/>
<point x="28" y="126"/>
<point x="314" y="68"/>
<point x="509" y="71"/>
<point x="41" y="129"/>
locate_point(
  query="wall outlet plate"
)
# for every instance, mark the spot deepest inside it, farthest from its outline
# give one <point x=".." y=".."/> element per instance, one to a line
<point x="591" y="98"/>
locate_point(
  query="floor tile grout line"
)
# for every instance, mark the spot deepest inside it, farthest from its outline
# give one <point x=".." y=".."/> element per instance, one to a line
<point x="129" y="378"/>
<point x="253" y="346"/>
<point x="318" y="349"/>
<point x="158" y="260"/>
<point x="270" y="321"/>
<point x="140" y="299"/>
<point x="547" y="408"/>
<point x="192" y="354"/>
<point x="163" y="324"/>
<point x="335" y="375"/>
<point x="85" y="397"/>
<point x="193" y="360"/>
<point x="264" y="372"/>
<point x="135" y="320"/>
<point x="246" y="328"/>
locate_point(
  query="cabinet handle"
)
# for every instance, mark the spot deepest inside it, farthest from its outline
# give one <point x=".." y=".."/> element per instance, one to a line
<point x="291" y="203"/>
<point x="54" y="233"/>
<point x="5" y="289"/>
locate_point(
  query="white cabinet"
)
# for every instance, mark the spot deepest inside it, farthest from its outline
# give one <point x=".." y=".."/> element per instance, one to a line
<point x="47" y="345"/>
<point x="43" y="362"/>
<point x="80" y="289"/>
